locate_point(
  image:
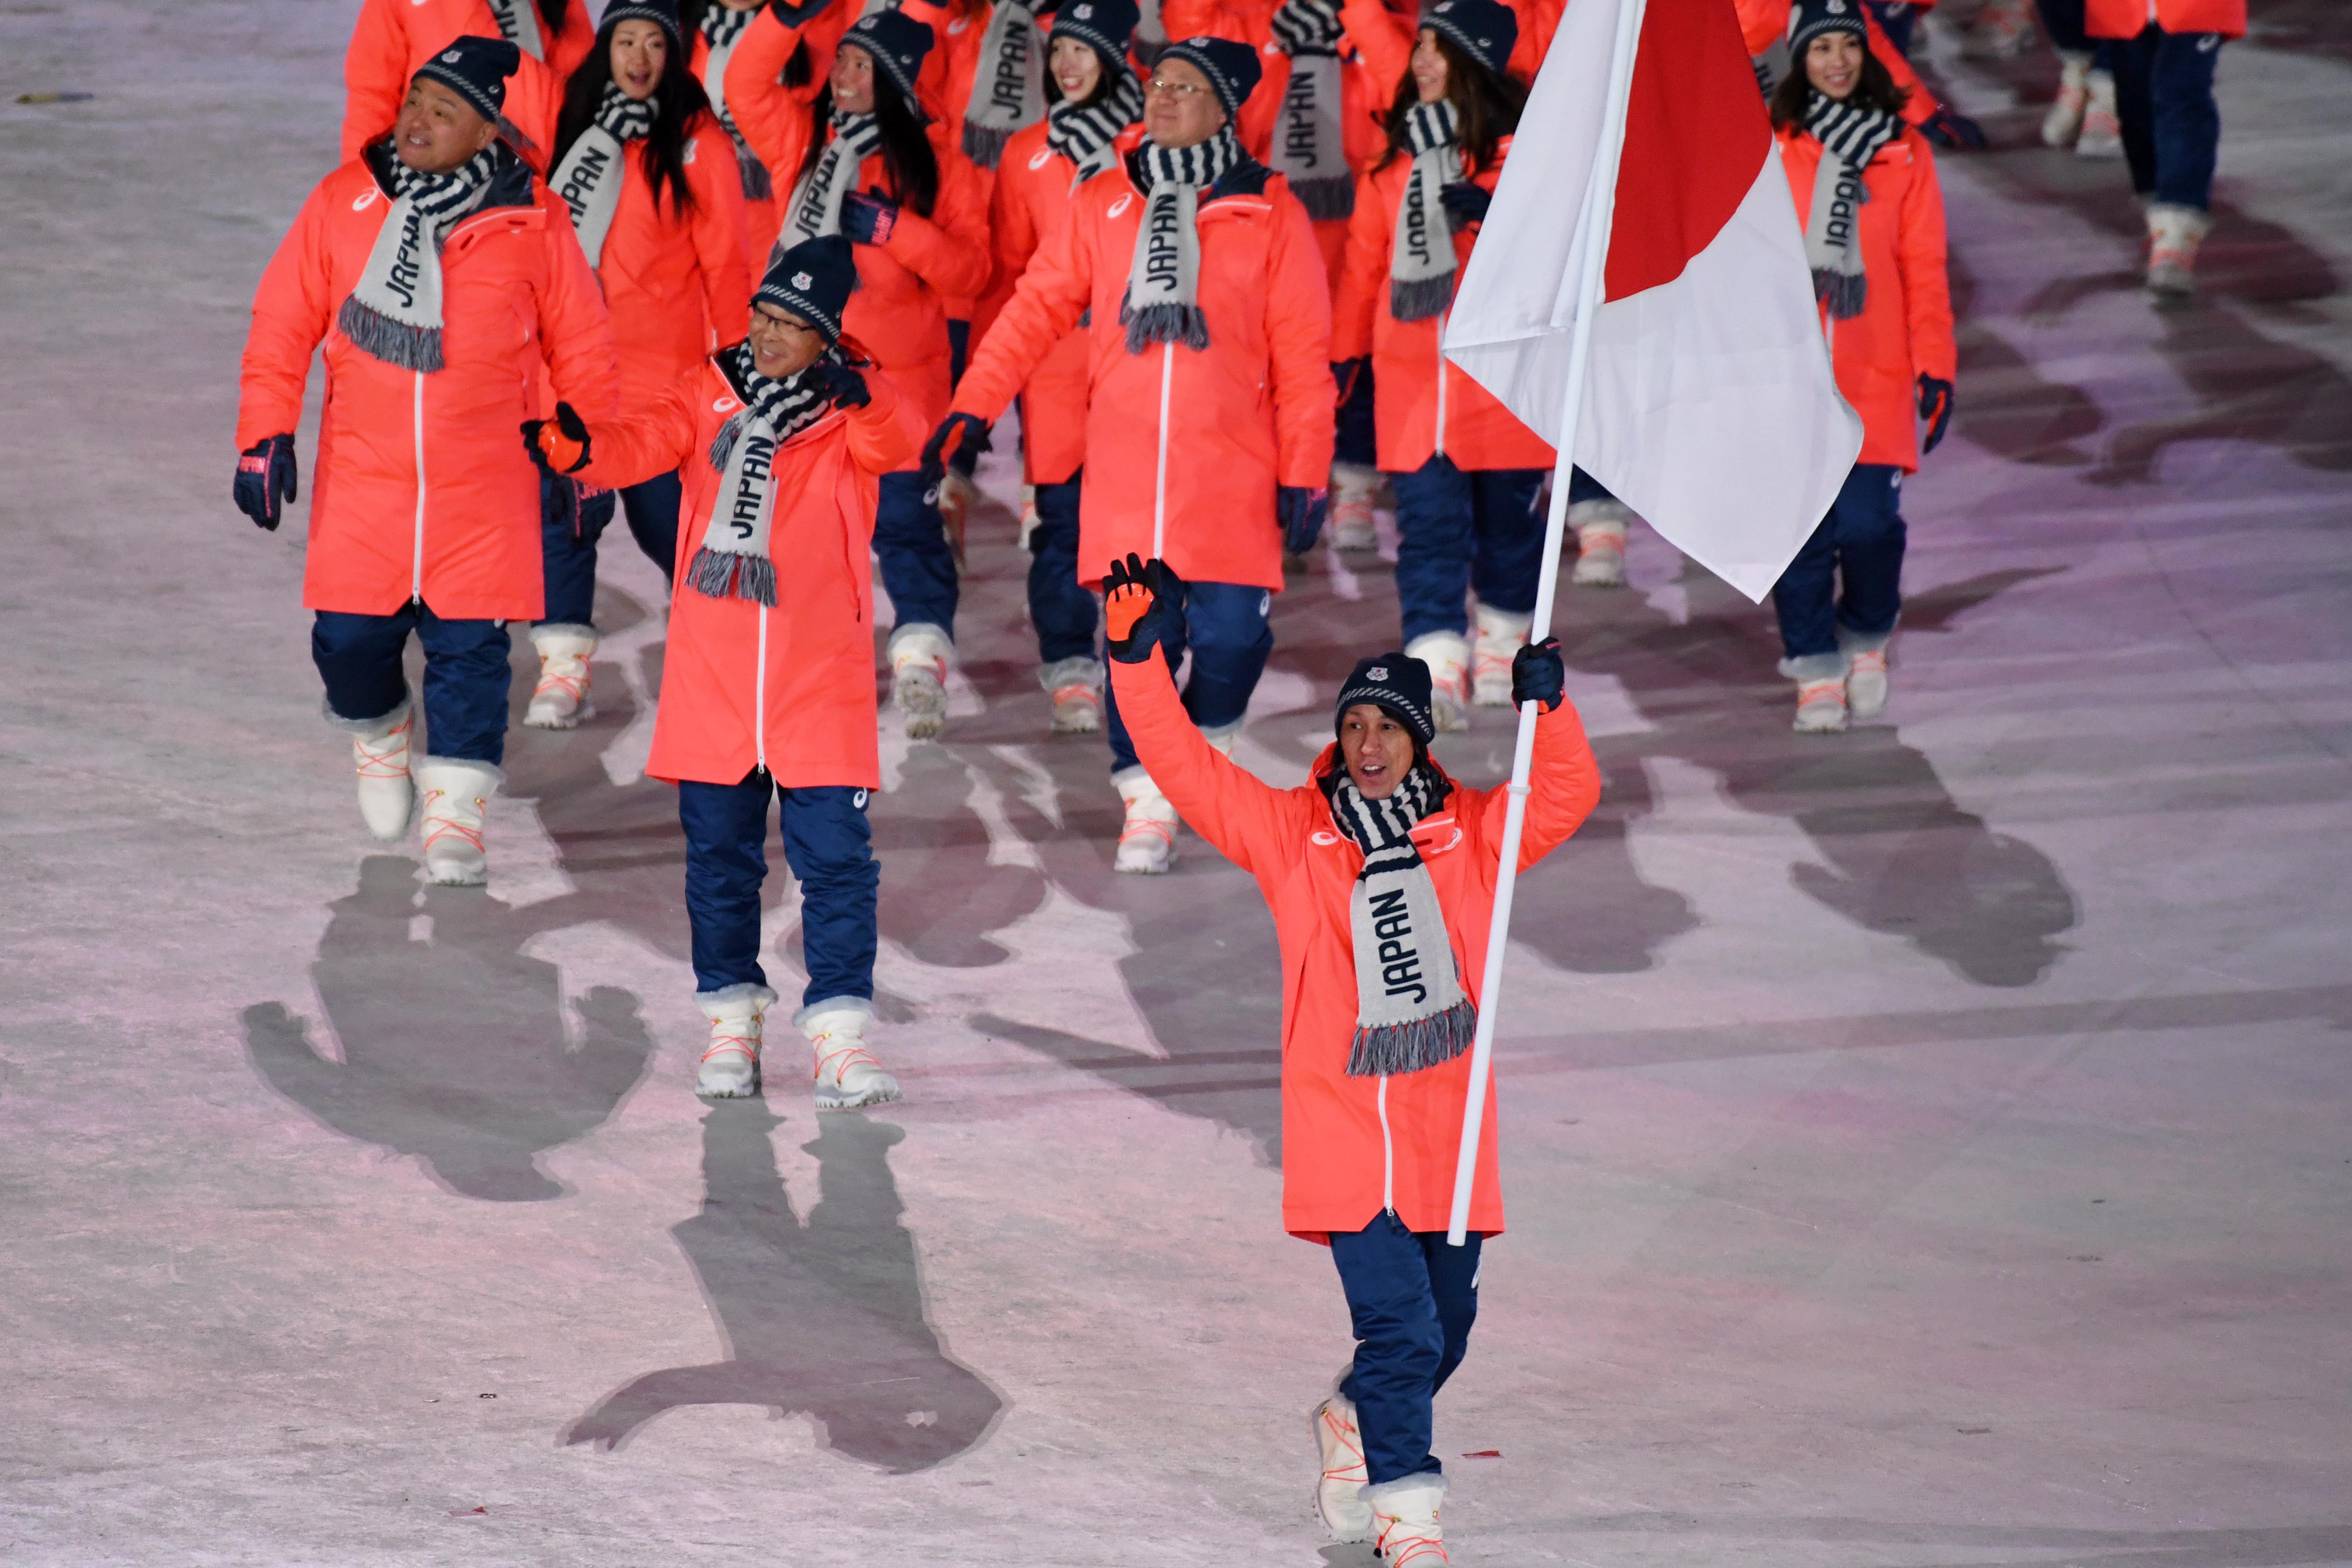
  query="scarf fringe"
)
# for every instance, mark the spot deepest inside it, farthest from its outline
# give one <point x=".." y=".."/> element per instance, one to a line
<point x="1327" y="200"/>
<point x="718" y="574"/>
<point x="1844" y="294"/>
<point x="722" y="446"/>
<point x="757" y="184"/>
<point x="1422" y="297"/>
<point x="1164" y="324"/>
<point x="984" y="144"/>
<point x="395" y="343"/>
<point x="1393" y="1050"/>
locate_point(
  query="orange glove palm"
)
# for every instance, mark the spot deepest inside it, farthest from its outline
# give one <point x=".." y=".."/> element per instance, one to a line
<point x="1137" y="597"/>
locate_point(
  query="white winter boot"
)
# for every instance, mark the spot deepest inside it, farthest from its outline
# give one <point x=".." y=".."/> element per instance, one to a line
<point x="1147" y="839"/>
<point x="560" y="700"/>
<point x="1075" y="687"/>
<point x="2174" y="233"/>
<point x="1447" y="654"/>
<point x="1501" y="634"/>
<point x="2064" y="120"/>
<point x="847" y="1076"/>
<point x="1353" y="488"/>
<point x="1404" y="1521"/>
<point x="918" y="679"/>
<point x="1821" y="692"/>
<point x="2102" y="133"/>
<point x="1600" y="543"/>
<point x="379" y="752"/>
<point x="730" y="1068"/>
<point x="457" y="793"/>
<point x="1345" y="1514"/>
<point x="1867" y="683"/>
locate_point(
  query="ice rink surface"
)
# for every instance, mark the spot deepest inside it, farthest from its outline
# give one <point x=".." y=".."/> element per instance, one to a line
<point x="1923" y="1147"/>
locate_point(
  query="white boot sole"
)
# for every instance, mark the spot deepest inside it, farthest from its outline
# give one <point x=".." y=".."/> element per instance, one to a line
<point x="1079" y="718"/>
<point x="834" y="1100"/>
<point x="539" y="717"/>
<point x="734" y="1084"/>
<point x="1342" y="1532"/>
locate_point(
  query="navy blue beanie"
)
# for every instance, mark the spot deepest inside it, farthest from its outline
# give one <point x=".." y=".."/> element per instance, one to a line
<point x="1398" y="684"/>
<point x="1485" y="30"/>
<point x="812" y="281"/>
<point x="1811" y="18"/>
<point x="476" y="69"/>
<point x="1108" y="27"/>
<point x="1231" y="68"/>
<point x="662" y="13"/>
<point x="898" y="43"/>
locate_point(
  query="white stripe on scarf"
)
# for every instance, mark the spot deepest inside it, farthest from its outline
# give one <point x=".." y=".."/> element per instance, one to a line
<point x="1309" y="147"/>
<point x="595" y="166"/>
<point x="1411" y="1012"/>
<point x="393" y="312"/>
<point x="1420" y="257"/>
<point x="1008" y="87"/>
<point x="816" y="201"/>
<point x="722" y="29"/>
<point x="1850" y="137"/>
<point x="733" y="561"/>
<point x="1087" y="134"/>
<point x="518" y="23"/>
<point x="1162" y="304"/>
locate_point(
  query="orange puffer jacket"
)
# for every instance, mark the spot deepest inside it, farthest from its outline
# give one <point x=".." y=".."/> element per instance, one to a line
<point x="788" y="688"/>
<point x="1422" y="405"/>
<point x="774" y="117"/>
<point x="1199" y="438"/>
<point x="678" y="285"/>
<point x="1355" y="1146"/>
<point x="2129" y="18"/>
<point x="1904" y="330"/>
<point x="1031" y="208"/>
<point x="393" y="38"/>
<point x="422" y="487"/>
<point x="760" y="218"/>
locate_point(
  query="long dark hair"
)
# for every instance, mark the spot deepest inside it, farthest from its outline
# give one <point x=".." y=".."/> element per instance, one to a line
<point x="907" y="155"/>
<point x="682" y="100"/>
<point x="554" y="12"/>
<point x="1486" y="106"/>
<point x="1876" y="89"/>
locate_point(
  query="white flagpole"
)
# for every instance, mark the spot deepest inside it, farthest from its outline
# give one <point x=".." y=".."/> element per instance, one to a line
<point x="1600" y="209"/>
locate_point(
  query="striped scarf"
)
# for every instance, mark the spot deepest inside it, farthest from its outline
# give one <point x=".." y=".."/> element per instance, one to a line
<point x="1411" y="1012"/>
<point x="590" y="176"/>
<point x="1008" y="89"/>
<point x="1088" y="133"/>
<point x="1849" y="139"/>
<point x="817" y="203"/>
<point x="1162" y="304"/>
<point x="722" y="29"/>
<point x="733" y="561"/>
<point x="393" y="312"/>
<point x="1421" y="260"/>
<point x="1309" y="148"/>
<point x="518" y="23"/>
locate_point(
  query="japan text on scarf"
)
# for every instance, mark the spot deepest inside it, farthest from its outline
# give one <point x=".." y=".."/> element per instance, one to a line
<point x="393" y="312"/>
<point x="817" y="203"/>
<point x="1008" y="86"/>
<point x="1309" y="148"/>
<point x="1421" y="260"/>
<point x="733" y="561"/>
<point x="590" y="175"/>
<point x="1164" y="281"/>
<point x="722" y="29"/>
<point x="1850" y="137"/>
<point x="1411" y="1012"/>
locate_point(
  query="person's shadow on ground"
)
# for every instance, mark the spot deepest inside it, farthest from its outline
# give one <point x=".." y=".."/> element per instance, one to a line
<point x="454" y="1045"/>
<point x="823" y="1317"/>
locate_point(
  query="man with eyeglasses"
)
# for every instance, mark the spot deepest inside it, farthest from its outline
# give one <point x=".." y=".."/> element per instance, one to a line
<point x="1210" y="392"/>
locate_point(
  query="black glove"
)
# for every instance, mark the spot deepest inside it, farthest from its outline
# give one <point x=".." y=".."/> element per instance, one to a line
<point x="1465" y="203"/>
<point x="1138" y="596"/>
<point x="868" y="219"/>
<point x="844" y="383"/>
<point x="1951" y="130"/>
<point x="266" y="481"/>
<point x="956" y="432"/>
<point x="799" y="16"/>
<point x="562" y="450"/>
<point x="1346" y="373"/>
<point x="1537" y="675"/>
<point x="1936" y="408"/>
<point x="1302" y="511"/>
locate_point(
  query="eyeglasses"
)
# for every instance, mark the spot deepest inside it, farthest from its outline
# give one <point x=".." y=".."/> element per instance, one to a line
<point x="1183" y="91"/>
<point x="763" y="323"/>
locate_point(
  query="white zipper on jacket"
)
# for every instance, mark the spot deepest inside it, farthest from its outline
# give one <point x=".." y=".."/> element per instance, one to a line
<point x="760" y="696"/>
<point x="1387" y="1153"/>
<point x="1439" y="449"/>
<point x="1159" y="479"/>
<point x="416" y="571"/>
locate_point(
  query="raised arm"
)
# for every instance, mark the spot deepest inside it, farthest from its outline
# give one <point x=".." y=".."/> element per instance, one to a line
<point x="774" y="117"/>
<point x="722" y="235"/>
<point x="291" y="309"/>
<point x="1383" y="40"/>
<point x="948" y="249"/>
<point x="375" y="74"/>
<point x="1563" y="786"/>
<point x="886" y="434"/>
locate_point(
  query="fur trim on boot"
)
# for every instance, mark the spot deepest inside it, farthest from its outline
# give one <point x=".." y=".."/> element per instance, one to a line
<point x="457" y="793"/>
<point x="1075" y="687"/>
<point x="920" y="657"/>
<point x="730" y="1068"/>
<point x="847" y="1076"/>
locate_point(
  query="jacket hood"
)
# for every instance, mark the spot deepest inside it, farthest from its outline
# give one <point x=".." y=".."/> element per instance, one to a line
<point x="510" y="177"/>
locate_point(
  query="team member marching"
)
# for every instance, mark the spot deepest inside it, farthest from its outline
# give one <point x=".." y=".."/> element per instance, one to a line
<point x="1466" y="473"/>
<point x="439" y="271"/>
<point x="1864" y="186"/>
<point x="1209" y="421"/>
<point x="395" y="37"/>
<point x="767" y="684"/>
<point x="871" y="171"/>
<point x="2163" y="53"/>
<point x="1380" y="874"/>
<point x="1091" y="126"/>
<point x="650" y="177"/>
